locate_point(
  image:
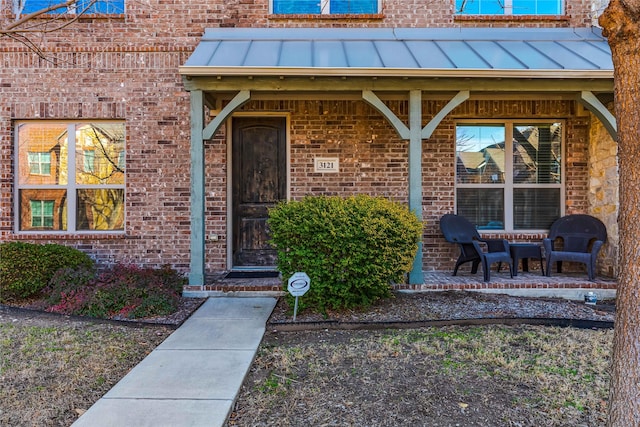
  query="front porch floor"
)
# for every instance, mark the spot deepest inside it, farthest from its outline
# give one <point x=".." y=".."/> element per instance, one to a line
<point x="565" y="285"/>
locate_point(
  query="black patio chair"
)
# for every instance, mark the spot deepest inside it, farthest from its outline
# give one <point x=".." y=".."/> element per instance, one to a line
<point x="457" y="229"/>
<point x="582" y="237"/>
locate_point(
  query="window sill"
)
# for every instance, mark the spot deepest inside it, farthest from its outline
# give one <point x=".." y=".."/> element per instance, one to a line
<point x="81" y="17"/>
<point x="515" y="18"/>
<point x="35" y="235"/>
<point x="323" y="16"/>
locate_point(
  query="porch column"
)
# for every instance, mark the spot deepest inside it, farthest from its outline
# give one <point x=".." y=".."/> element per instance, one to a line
<point x="196" y="266"/>
<point x="416" y="276"/>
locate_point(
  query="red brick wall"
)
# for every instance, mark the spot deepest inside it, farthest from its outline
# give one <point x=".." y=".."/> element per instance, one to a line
<point x="149" y="96"/>
<point x="126" y="68"/>
<point x="374" y="161"/>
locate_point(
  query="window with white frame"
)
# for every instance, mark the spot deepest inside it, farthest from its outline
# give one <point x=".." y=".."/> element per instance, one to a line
<point x="325" y="6"/>
<point x="42" y="214"/>
<point x="84" y="189"/>
<point x="509" y="7"/>
<point x="509" y="175"/>
<point x="39" y="163"/>
<point x="101" y="7"/>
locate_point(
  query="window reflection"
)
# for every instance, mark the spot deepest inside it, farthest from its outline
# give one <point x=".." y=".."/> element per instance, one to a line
<point x="94" y="199"/>
<point x="536" y="154"/>
<point x="480" y="155"/>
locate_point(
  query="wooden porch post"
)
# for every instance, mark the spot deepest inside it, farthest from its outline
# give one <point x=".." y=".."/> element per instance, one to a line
<point x="416" y="276"/>
<point x="196" y="266"/>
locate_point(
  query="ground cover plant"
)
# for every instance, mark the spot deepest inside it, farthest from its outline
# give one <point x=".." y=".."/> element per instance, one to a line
<point x="64" y="280"/>
<point x="122" y="291"/>
<point x="470" y="376"/>
<point x="352" y="248"/>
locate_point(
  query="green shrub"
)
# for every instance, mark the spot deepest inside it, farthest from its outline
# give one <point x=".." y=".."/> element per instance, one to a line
<point x="26" y="268"/>
<point x="122" y="291"/>
<point x="352" y="249"/>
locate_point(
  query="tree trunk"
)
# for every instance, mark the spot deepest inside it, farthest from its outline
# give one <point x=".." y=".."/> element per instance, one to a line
<point x="621" y="25"/>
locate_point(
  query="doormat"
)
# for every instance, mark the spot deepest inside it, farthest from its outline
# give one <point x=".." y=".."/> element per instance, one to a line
<point x="251" y="274"/>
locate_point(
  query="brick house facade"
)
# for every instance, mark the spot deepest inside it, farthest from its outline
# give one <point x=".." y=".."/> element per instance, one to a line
<point x="125" y="69"/>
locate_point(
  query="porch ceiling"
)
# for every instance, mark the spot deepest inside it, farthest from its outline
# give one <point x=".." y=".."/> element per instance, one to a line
<point x="494" y="59"/>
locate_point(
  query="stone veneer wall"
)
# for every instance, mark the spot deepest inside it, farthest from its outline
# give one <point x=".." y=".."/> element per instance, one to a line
<point x="603" y="192"/>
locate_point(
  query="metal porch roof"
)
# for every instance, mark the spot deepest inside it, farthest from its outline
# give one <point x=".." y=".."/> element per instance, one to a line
<point x="444" y="52"/>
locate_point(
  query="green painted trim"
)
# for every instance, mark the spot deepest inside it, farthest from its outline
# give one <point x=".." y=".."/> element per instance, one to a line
<point x="197" y="242"/>
<point x="460" y="97"/>
<point x="373" y="100"/>
<point x="416" y="276"/>
<point x="395" y="84"/>
<point x="238" y="101"/>
<point x="593" y="104"/>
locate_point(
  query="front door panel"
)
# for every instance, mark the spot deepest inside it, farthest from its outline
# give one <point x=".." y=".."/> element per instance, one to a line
<point x="259" y="182"/>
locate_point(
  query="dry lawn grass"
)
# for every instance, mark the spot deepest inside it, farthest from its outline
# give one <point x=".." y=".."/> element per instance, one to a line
<point x="451" y="376"/>
<point x="52" y="368"/>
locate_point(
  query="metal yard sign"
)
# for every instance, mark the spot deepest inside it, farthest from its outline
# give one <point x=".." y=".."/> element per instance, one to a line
<point x="298" y="285"/>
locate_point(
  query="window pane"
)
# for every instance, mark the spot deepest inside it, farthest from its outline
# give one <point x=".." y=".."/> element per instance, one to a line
<point x="42" y="213"/>
<point x="100" y="6"/>
<point x="537" y="7"/>
<point x="483" y="7"/>
<point x="98" y="148"/>
<point x="535" y="208"/>
<point x="484" y="207"/>
<point x="480" y="155"/>
<point x="537" y="154"/>
<point x="296" y="6"/>
<point x="100" y="209"/>
<point x="354" y="6"/>
<point x="39" y="163"/>
<point x="42" y="153"/>
<point x="89" y="160"/>
<point x="35" y="5"/>
<point x="43" y="210"/>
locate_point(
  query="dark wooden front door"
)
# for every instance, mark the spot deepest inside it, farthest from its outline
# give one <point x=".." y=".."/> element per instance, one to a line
<point x="259" y="181"/>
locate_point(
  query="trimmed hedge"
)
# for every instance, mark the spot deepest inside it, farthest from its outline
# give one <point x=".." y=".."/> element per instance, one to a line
<point x="26" y="268"/>
<point x="351" y="248"/>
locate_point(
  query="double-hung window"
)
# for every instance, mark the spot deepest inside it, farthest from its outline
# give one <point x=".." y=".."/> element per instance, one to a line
<point x="509" y="7"/>
<point x="325" y="6"/>
<point x="102" y="7"/>
<point x="70" y="176"/>
<point x="509" y="175"/>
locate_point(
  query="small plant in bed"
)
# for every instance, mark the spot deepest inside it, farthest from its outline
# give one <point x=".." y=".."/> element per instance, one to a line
<point x="122" y="291"/>
<point x="352" y="248"/>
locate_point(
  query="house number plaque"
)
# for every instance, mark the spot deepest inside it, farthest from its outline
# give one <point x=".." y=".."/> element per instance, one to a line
<point x="326" y="165"/>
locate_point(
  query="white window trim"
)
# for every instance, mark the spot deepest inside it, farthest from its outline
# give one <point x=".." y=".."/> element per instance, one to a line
<point x="508" y="9"/>
<point x="508" y="185"/>
<point x="17" y="6"/>
<point x="325" y="7"/>
<point x="71" y="187"/>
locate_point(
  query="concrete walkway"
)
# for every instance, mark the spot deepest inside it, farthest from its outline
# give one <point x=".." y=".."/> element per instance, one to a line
<point x="193" y="377"/>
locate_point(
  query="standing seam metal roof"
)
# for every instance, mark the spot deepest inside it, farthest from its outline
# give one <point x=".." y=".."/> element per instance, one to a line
<point x="303" y="50"/>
